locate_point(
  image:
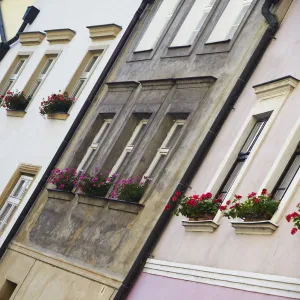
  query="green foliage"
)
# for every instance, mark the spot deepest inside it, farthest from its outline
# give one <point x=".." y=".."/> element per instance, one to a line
<point x="15" y="100"/>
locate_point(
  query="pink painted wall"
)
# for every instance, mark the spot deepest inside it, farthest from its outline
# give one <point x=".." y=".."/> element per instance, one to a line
<point x="150" y="287"/>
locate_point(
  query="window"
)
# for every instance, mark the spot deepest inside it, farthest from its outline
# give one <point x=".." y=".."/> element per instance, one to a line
<point x="14" y="199"/>
<point x="7" y="290"/>
<point x="193" y="23"/>
<point x="83" y="73"/>
<point x="164" y="149"/>
<point x="95" y="144"/>
<point x="14" y="72"/>
<point x="137" y="133"/>
<point x="230" y="20"/>
<point x="157" y="25"/>
<point x="288" y="175"/>
<point x="242" y="157"/>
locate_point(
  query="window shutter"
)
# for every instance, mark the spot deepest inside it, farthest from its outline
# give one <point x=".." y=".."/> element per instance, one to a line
<point x="157" y="25"/>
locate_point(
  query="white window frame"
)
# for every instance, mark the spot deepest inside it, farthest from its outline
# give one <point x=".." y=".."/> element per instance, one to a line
<point x="199" y="12"/>
<point x="163" y="149"/>
<point x="14" y="76"/>
<point x="95" y="144"/>
<point x="85" y="75"/>
<point x="42" y="75"/>
<point x="158" y="24"/>
<point x="13" y="200"/>
<point x="129" y="147"/>
<point x="232" y="17"/>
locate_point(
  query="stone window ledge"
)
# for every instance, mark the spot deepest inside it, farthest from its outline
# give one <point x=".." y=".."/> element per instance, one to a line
<point x="60" y="195"/>
<point x="15" y="113"/>
<point x="58" y="116"/>
<point x="254" y="228"/>
<point x="200" y="226"/>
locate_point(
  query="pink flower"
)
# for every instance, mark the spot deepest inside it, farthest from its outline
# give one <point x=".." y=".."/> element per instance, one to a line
<point x="223" y="207"/>
<point x="255" y="200"/>
<point x="167" y="207"/>
<point x="208" y="195"/>
<point x="238" y="197"/>
<point x="264" y="192"/>
<point x="177" y="193"/>
<point x="228" y="202"/>
<point x="294" y="230"/>
<point x="251" y="195"/>
<point x="174" y="199"/>
<point x="288" y="218"/>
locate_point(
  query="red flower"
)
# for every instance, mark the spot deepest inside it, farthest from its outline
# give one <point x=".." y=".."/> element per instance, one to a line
<point x="228" y="202"/>
<point x="208" y="195"/>
<point x="177" y="193"/>
<point x="218" y="200"/>
<point x="174" y="199"/>
<point x="238" y="196"/>
<point x="255" y="200"/>
<point x="223" y="207"/>
<point x="167" y="207"/>
<point x="294" y="230"/>
<point x="195" y="197"/>
<point x="288" y="218"/>
<point x="251" y="195"/>
<point x="264" y="192"/>
<point x="192" y="202"/>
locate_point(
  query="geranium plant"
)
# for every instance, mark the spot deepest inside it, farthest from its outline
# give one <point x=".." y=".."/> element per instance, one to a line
<point x="197" y="207"/>
<point x="60" y="102"/>
<point x="130" y="190"/>
<point x="255" y="208"/>
<point x="97" y="184"/>
<point x="295" y="218"/>
<point x="63" y="179"/>
<point x="15" y="100"/>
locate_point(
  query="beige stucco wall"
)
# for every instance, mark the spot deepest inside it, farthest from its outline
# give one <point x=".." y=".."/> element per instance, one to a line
<point x="13" y="12"/>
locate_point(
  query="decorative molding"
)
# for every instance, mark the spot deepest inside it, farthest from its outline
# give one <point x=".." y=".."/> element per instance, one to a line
<point x="247" y="281"/>
<point x="200" y="226"/>
<point x="254" y="228"/>
<point x="275" y="88"/>
<point x="62" y="264"/>
<point x="58" y="116"/>
<point x="60" y="36"/>
<point x="195" y="82"/>
<point x="157" y="84"/>
<point x="122" y="86"/>
<point x="15" y="113"/>
<point x="31" y="38"/>
<point x="104" y="32"/>
<point x="60" y="195"/>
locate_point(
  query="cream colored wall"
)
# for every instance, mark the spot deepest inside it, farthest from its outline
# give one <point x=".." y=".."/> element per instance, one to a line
<point x="13" y="12"/>
<point x="275" y="254"/>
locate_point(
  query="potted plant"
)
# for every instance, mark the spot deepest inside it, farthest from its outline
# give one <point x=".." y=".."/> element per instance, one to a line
<point x="56" y="103"/>
<point x="64" y="180"/>
<point x="130" y="190"/>
<point x="255" y="208"/>
<point x="97" y="184"/>
<point x="15" y="101"/>
<point x="196" y="207"/>
<point x="295" y="218"/>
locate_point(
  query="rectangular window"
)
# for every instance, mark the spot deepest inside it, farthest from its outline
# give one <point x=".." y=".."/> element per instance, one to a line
<point x="95" y="145"/>
<point x="157" y="25"/>
<point x="40" y="74"/>
<point x="287" y="176"/>
<point x="14" y="199"/>
<point x="230" y="20"/>
<point x="137" y="133"/>
<point x="83" y="73"/>
<point x="193" y="23"/>
<point x="164" y="149"/>
<point x="7" y="290"/>
<point x="13" y="73"/>
<point x="242" y="157"/>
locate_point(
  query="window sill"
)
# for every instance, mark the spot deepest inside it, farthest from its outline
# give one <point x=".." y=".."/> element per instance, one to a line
<point x="218" y="42"/>
<point x="58" y="116"/>
<point x="60" y="195"/>
<point x="180" y="47"/>
<point x="15" y="113"/>
<point x="254" y="228"/>
<point x="200" y="226"/>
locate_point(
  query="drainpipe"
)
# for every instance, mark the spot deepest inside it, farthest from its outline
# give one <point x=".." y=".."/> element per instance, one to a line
<point x="75" y="125"/>
<point x="196" y="162"/>
<point x="2" y="29"/>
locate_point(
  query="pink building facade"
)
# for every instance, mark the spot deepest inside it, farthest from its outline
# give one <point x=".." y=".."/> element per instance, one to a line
<point x="225" y="260"/>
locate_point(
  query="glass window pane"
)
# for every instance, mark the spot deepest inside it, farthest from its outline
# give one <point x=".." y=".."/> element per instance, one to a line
<point x="6" y="208"/>
<point x="47" y="66"/>
<point x="21" y="188"/>
<point x="174" y="136"/>
<point x="7" y="86"/>
<point x="91" y="64"/>
<point x="19" y="66"/>
<point x="158" y="165"/>
<point x="34" y="88"/>
<point x="77" y="88"/>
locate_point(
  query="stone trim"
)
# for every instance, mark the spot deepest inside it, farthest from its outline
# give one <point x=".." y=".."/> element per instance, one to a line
<point x="157" y="84"/>
<point x="31" y="38"/>
<point x="58" y="116"/>
<point x="104" y="32"/>
<point x="60" y="36"/>
<point x="254" y="228"/>
<point x="15" y="113"/>
<point x="122" y="86"/>
<point x="60" y="195"/>
<point x="195" y="82"/>
<point x="200" y="226"/>
<point x="247" y="281"/>
<point x="62" y="264"/>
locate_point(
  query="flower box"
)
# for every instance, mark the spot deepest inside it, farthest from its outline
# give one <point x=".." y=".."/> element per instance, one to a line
<point x="254" y="228"/>
<point x="200" y="226"/>
<point x="60" y="195"/>
<point x="58" y="116"/>
<point x="15" y="113"/>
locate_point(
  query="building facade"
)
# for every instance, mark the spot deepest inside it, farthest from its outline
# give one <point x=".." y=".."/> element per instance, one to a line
<point x="177" y="77"/>
<point x="227" y="259"/>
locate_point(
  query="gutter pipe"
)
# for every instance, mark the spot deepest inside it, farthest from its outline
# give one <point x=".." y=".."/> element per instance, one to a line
<point x="74" y="126"/>
<point x="2" y="29"/>
<point x="196" y="162"/>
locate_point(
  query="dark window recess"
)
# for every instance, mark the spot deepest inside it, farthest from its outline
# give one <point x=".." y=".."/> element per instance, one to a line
<point x="287" y="176"/>
<point x="242" y="156"/>
<point x="7" y="290"/>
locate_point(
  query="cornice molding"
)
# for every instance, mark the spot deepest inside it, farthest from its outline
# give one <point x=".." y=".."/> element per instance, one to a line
<point x="60" y="36"/>
<point x="122" y="86"/>
<point x="31" y="38"/>
<point x="104" y="32"/>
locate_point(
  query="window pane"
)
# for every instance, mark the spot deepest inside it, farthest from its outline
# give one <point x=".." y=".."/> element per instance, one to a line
<point x="286" y="181"/>
<point x="231" y="178"/>
<point x="256" y="131"/>
<point x="91" y="64"/>
<point x="7" y="86"/>
<point x="174" y="136"/>
<point x="77" y="88"/>
<point x="6" y="209"/>
<point x="158" y="165"/>
<point x="19" y="66"/>
<point x="140" y="133"/>
<point x="47" y="66"/>
<point x="34" y="88"/>
<point x="21" y="188"/>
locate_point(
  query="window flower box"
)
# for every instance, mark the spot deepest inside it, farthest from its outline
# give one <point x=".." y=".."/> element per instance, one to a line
<point x="200" y="225"/>
<point x="58" y="116"/>
<point x="15" y="113"/>
<point x="60" y="195"/>
<point x="15" y="103"/>
<point x="254" y="227"/>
